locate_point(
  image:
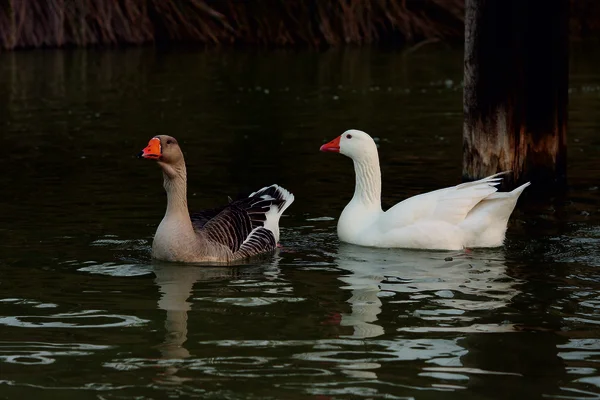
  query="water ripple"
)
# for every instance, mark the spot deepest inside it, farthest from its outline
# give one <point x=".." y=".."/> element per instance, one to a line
<point x="117" y="269"/>
<point x="40" y="353"/>
<point x="251" y="301"/>
<point x="87" y="316"/>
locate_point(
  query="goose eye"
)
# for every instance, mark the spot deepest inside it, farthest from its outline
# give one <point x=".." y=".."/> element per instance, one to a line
<point x="169" y="141"/>
<point x="348" y="136"/>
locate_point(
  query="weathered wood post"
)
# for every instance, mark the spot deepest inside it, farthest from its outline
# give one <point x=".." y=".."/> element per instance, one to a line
<point x="516" y="90"/>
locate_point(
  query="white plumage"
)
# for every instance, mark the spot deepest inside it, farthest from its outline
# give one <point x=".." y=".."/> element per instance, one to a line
<point x="471" y="214"/>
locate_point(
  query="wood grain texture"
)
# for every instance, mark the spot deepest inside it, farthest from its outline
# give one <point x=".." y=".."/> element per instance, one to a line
<point x="516" y="90"/>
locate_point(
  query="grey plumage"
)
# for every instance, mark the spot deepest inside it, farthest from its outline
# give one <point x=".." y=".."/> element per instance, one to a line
<point x="240" y="224"/>
<point x="243" y="228"/>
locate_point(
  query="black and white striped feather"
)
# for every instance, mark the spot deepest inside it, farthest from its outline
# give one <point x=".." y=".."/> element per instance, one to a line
<point x="247" y="226"/>
<point x="259" y="241"/>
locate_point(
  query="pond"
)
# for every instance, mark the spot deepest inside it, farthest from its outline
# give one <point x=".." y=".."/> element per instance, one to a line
<point x="86" y="314"/>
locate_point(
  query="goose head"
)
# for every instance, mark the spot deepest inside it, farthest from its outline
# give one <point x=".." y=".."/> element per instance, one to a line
<point x="357" y="145"/>
<point x="166" y="151"/>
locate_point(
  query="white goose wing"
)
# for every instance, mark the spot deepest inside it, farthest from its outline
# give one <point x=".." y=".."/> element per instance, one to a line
<point x="454" y="205"/>
<point x="450" y="205"/>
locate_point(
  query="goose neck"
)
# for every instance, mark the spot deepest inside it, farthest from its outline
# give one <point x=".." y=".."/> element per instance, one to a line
<point x="175" y="184"/>
<point x="368" y="183"/>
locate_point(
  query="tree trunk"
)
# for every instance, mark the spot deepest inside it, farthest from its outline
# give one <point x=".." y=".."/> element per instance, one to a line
<point x="516" y="90"/>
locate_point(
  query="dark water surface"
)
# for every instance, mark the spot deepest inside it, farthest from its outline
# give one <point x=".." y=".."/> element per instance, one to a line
<point x="86" y="314"/>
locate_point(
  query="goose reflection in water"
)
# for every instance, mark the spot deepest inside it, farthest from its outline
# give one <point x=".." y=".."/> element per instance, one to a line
<point x="449" y="284"/>
<point x="176" y="284"/>
<point x="419" y="291"/>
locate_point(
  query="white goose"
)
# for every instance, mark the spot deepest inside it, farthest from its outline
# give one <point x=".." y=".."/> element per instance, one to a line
<point x="471" y="214"/>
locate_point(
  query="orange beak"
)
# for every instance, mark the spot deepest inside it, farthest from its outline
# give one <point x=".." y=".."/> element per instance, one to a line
<point x="333" y="146"/>
<point x="153" y="151"/>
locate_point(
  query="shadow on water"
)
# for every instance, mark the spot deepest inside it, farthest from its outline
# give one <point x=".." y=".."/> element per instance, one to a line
<point x="85" y="313"/>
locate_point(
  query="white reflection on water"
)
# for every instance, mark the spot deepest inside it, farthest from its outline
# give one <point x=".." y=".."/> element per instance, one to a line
<point x="78" y="320"/>
<point x="444" y="352"/>
<point x="116" y="269"/>
<point x="583" y="357"/>
<point x="33" y="303"/>
<point x="443" y="293"/>
<point x="448" y="284"/>
<point x="40" y="353"/>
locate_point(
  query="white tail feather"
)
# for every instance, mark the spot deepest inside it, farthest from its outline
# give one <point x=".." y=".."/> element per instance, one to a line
<point x="276" y="210"/>
<point x="488" y="220"/>
<point x="504" y="195"/>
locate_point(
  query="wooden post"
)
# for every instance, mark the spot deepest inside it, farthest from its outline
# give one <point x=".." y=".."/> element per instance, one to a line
<point x="516" y="90"/>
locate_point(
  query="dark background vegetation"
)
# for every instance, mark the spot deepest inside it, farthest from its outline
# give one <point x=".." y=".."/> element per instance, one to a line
<point x="52" y="23"/>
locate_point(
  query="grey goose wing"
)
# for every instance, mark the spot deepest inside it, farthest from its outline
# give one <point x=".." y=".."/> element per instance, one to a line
<point x="246" y="226"/>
